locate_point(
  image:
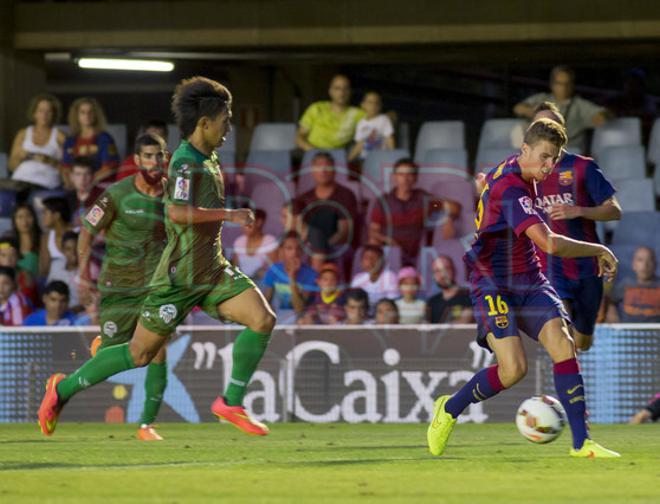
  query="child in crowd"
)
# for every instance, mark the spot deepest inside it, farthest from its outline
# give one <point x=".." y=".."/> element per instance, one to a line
<point x="373" y="132"/>
<point x="386" y="312"/>
<point x="255" y="251"/>
<point x="10" y="258"/>
<point x="14" y="306"/>
<point x="67" y="270"/>
<point x="56" y="311"/>
<point x="356" y="307"/>
<point x="411" y="309"/>
<point x="375" y="278"/>
<point x="326" y="306"/>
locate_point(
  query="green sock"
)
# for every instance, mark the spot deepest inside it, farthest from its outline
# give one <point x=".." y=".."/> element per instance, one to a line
<point x="249" y="347"/>
<point x="104" y="364"/>
<point x="154" y="387"/>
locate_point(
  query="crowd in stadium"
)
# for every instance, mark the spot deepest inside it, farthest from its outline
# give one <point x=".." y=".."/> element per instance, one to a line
<point x="349" y="228"/>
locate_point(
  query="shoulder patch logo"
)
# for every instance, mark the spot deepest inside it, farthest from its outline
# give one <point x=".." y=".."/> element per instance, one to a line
<point x="181" y="189"/>
<point x="109" y="328"/>
<point x="167" y="313"/>
<point x="94" y="215"/>
<point x="566" y="177"/>
<point x="527" y="205"/>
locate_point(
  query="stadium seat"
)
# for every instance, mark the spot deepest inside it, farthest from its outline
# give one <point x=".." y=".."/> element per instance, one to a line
<point x="502" y="134"/>
<point x="273" y="136"/>
<point x="5" y="225"/>
<point x="378" y="165"/>
<point x="654" y="143"/>
<point x="634" y="229"/>
<point x="392" y="259"/>
<point x="617" y="132"/>
<point x="454" y="159"/>
<point x="7" y="203"/>
<point x="487" y="159"/>
<point x="623" y="162"/>
<point x="118" y="133"/>
<point x="656" y="180"/>
<point x="271" y="196"/>
<point x="173" y="137"/>
<point x="634" y="196"/>
<point x="463" y="192"/>
<point x="227" y="157"/>
<point x="339" y="155"/>
<point x="624" y="253"/>
<point x="439" y="135"/>
<point x="4" y="169"/>
<point x="274" y="161"/>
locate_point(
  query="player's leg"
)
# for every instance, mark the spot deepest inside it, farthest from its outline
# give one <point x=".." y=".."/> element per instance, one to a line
<point x="154" y="387"/>
<point x="586" y="305"/>
<point x="556" y="339"/>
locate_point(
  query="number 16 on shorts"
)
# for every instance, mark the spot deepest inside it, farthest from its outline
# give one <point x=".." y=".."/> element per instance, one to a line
<point x="497" y="308"/>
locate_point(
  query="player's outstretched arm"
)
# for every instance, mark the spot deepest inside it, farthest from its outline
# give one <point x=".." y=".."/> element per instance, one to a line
<point x="609" y="210"/>
<point x="186" y="215"/>
<point x="562" y="246"/>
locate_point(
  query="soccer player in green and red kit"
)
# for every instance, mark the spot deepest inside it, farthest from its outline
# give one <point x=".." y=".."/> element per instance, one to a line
<point x="192" y="270"/>
<point x="131" y="214"/>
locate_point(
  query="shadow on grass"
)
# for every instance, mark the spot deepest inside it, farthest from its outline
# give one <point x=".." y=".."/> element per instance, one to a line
<point x="38" y="466"/>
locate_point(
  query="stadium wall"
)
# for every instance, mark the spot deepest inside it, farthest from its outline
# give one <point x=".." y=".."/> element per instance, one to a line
<point x="326" y="374"/>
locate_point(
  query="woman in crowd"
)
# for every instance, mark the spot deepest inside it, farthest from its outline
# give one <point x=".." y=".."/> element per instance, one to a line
<point x="37" y="150"/>
<point x="88" y="138"/>
<point x="255" y="251"/>
<point x="27" y="234"/>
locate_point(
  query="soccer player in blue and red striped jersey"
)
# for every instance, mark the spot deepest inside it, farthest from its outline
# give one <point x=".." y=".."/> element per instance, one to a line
<point x="510" y="293"/>
<point x="570" y="200"/>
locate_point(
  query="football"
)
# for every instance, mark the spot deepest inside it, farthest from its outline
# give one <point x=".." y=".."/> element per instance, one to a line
<point x="540" y="419"/>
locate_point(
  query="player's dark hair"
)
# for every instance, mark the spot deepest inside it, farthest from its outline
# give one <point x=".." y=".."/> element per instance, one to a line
<point x="406" y="162"/>
<point x="8" y="272"/>
<point x="147" y="139"/>
<point x="374" y="248"/>
<point x="57" y="286"/>
<point x="198" y="97"/>
<point x="60" y="206"/>
<point x="69" y="235"/>
<point x="552" y="108"/>
<point x="562" y="69"/>
<point x="83" y="162"/>
<point x="359" y="295"/>
<point x="545" y="130"/>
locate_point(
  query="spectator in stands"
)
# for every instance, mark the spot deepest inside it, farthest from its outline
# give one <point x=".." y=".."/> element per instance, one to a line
<point x="37" y="150"/>
<point x="26" y="232"/>
<point x="326" y="305"/>
<point x="386" y="312"/>
<point x="377" y="280"/>
<point x="411" y="309"/>
<point x="88" y="138"/>
<point x="580" y="114"/>
<point x="86" y="191"/>
<point x="10" y="258"/>
<point x="650" y="412"/>
<point x="255" y="251"/>
<point x="14" y="306"/>
<point x="128" y="166"/>
<point x="67" y="270"/>
<point x="90" y="314"/>
<point x="374" y="131"/>
<point x="56" y="307"/>
<point x="637" y="300"/>
<point x="291" y="280"/>
<point x="452" y="304"/>
<point x="634" y="101"/>
<point x="329" y="124"/>
<point x="56" y="221"/>
<point x="327" y="210"/>
<point x="400" y="217"/>
<point x="356" y="307"/>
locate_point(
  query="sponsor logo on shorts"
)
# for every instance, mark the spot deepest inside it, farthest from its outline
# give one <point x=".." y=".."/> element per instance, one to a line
<point x="181" y="189"/>
<point x="502" y="321"/>
<point x="94" y="215"/>
<point x="109" y="328"/>
<point x="566" y="178"/>
<point x="527" y="205"/>
<point x="167" y="313"/>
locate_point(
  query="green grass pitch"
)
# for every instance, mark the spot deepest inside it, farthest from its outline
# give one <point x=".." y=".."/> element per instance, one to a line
<point x="90" y="463"/>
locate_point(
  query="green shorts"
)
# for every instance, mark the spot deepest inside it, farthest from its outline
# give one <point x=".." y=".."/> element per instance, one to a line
<point x="118" y="317"/>
<point x="168" y="304"/>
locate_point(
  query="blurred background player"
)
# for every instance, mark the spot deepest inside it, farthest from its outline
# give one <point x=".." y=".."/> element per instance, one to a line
<point x="130" y="213"/>
<point x="571" y="199"/>
<point x="509" y="292"/>
<point x="192" y="271"/>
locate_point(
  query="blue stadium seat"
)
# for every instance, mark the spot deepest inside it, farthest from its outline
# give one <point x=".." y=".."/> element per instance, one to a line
<point x="656" y="180"/>
<point x="274" y="136"/>
<point x="502" y="134"/>
<point x="454" y="159"/>
<point x="654" y="143"/>
<point x="378" y="165"/>
<point x="7" y="203"/>
<point x="118" y="133"/>
<point x="617" y="132"/>
<point x="638" y="228"/>
<point x="276" y="161"/>
<point x="5" y="225"/>
<point x="463" y="192"/>
<point x="623" y="162"/>
<point x="634" y="195"/>
<point x="439" y="135"/>
<point x="4" y="169"/>
<point x="271" y="196"/>
<point x="487" y="159"/>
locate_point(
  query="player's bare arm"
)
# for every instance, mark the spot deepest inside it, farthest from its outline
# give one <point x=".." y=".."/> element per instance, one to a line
<point x="185" y="214"/>
<point x="609" y="210"/>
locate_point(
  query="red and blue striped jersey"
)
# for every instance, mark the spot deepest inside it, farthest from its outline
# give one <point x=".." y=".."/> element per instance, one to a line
<point x="575" y="180"/>
<point x="505" y="210"/>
